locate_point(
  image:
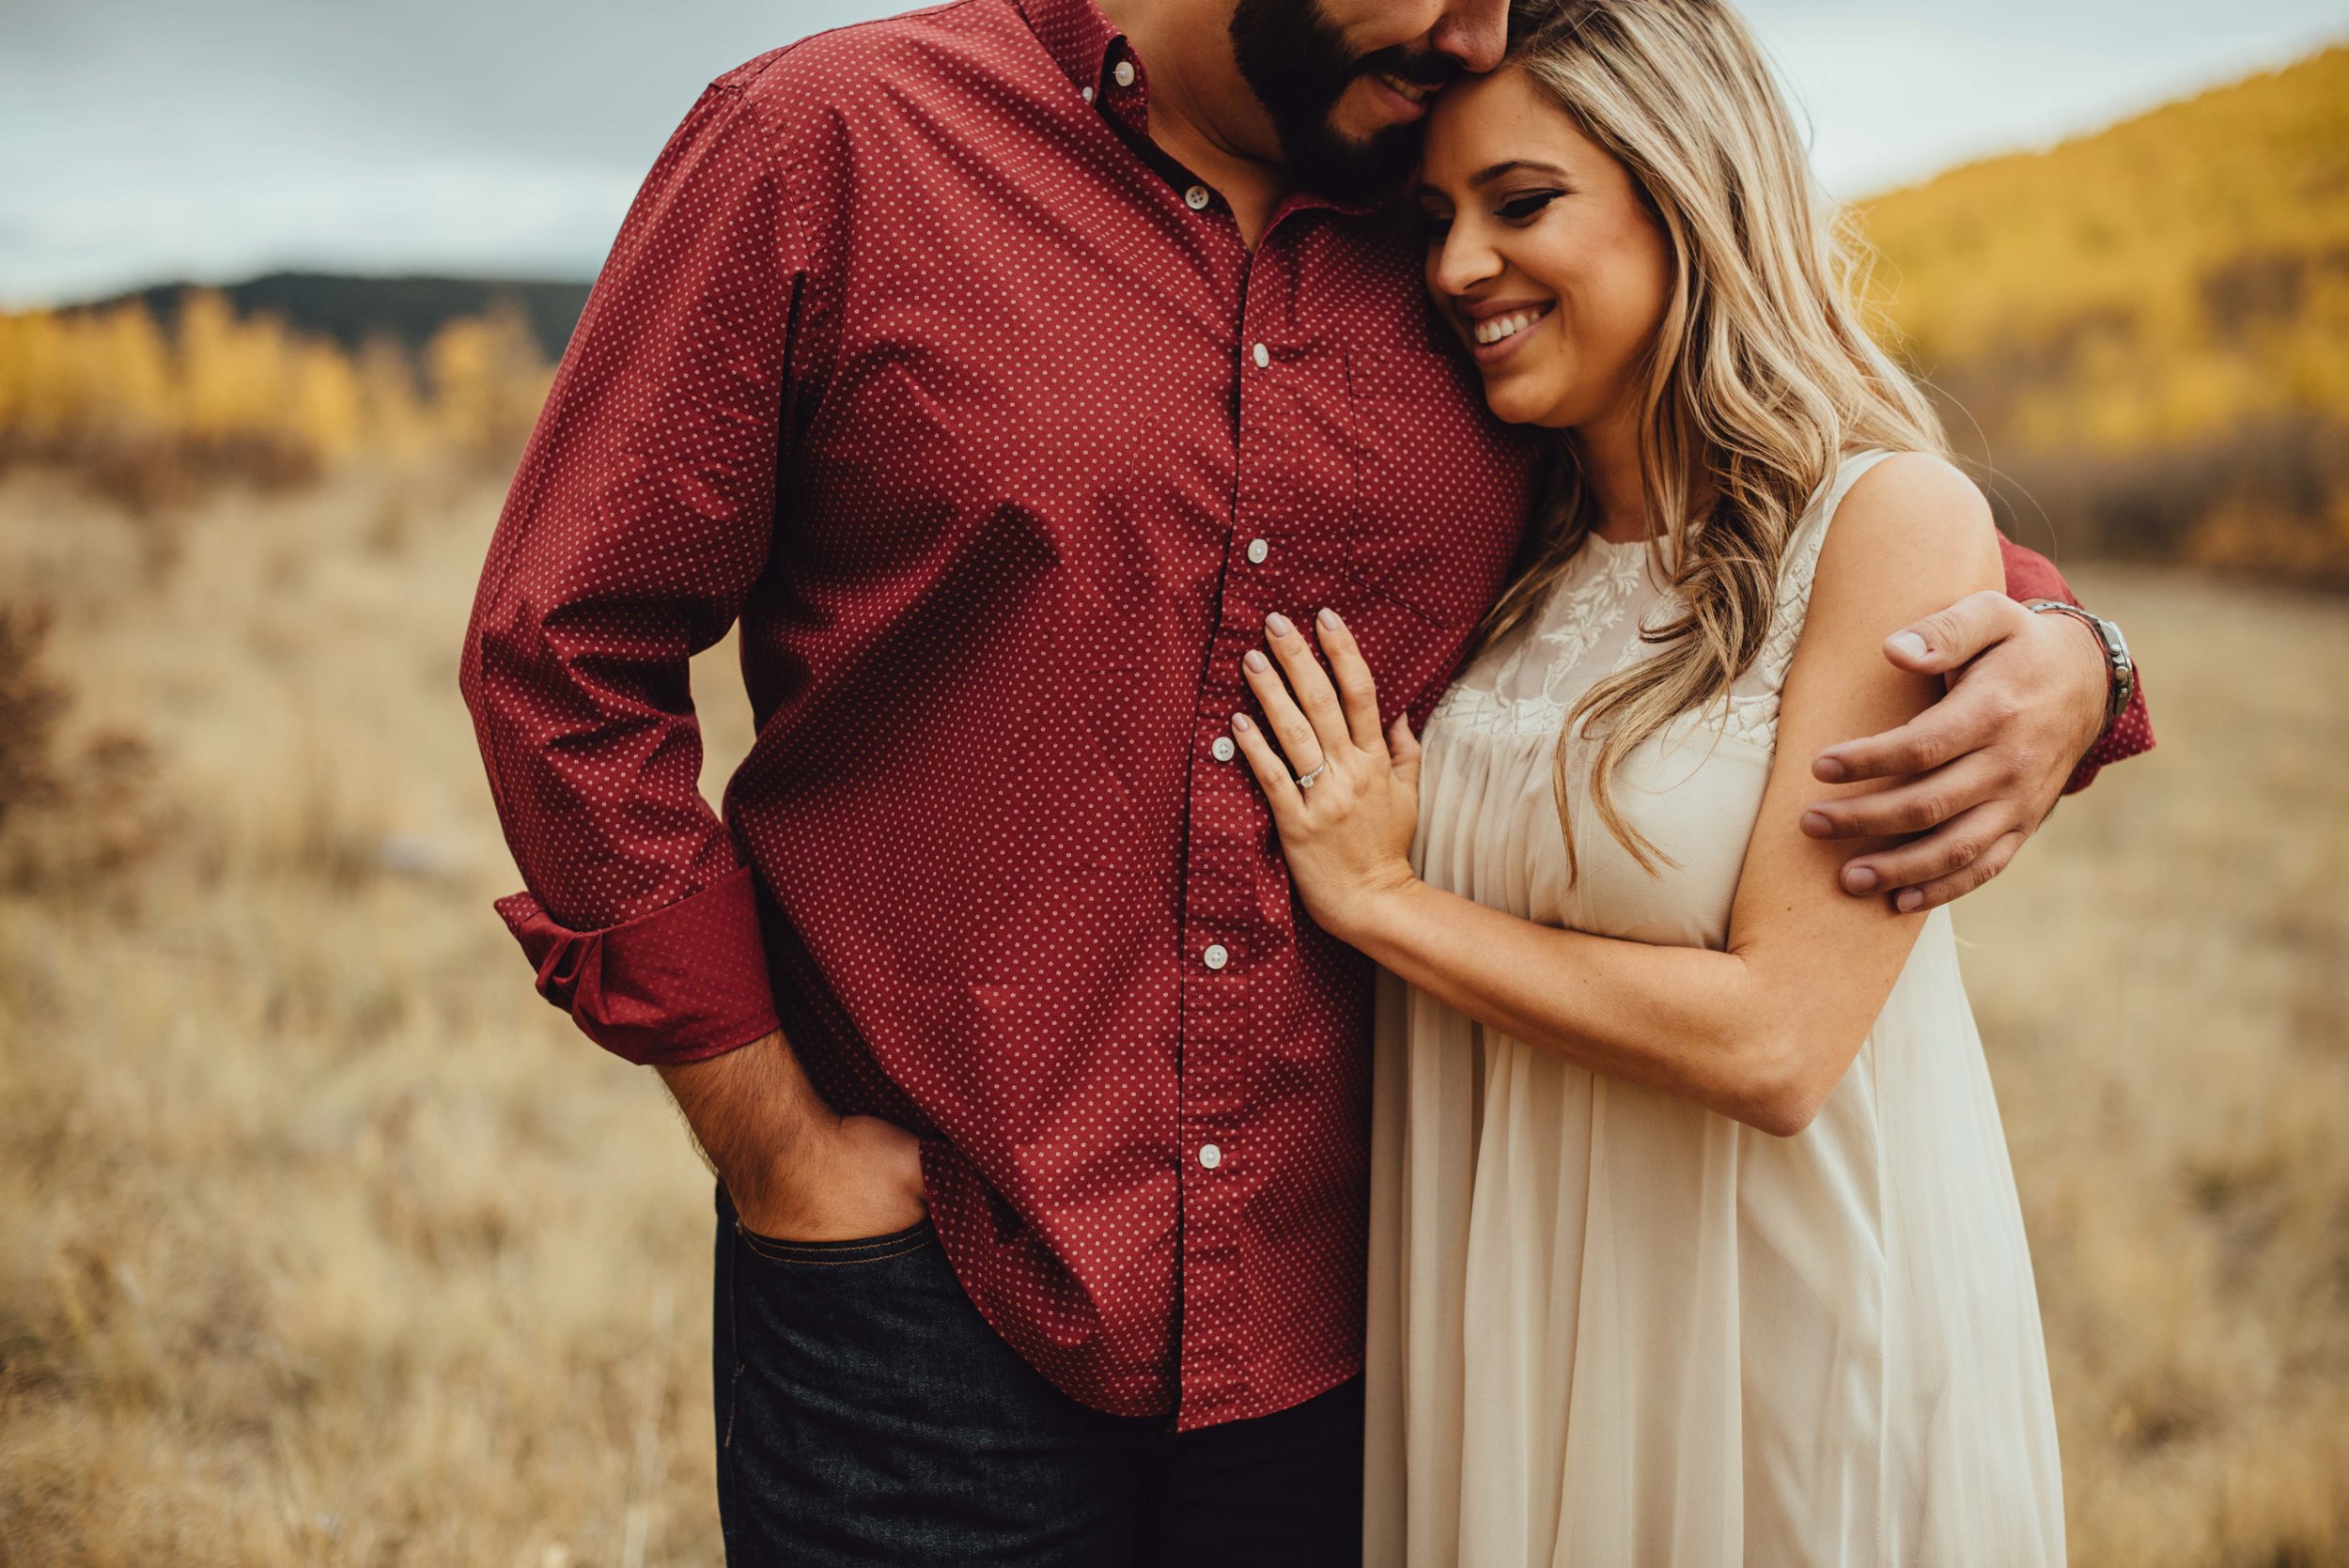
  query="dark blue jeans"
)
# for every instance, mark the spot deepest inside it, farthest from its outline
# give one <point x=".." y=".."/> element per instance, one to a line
<point x="867" y="1415"/>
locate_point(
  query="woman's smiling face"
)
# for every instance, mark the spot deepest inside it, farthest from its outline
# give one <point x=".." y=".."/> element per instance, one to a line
<point x="1541" y="253"/>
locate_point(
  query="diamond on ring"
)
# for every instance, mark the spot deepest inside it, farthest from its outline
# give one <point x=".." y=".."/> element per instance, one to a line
<point x="1306" y="781"/>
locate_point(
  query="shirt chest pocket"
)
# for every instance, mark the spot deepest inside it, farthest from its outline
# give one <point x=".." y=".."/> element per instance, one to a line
<point x="1440" y="487"/>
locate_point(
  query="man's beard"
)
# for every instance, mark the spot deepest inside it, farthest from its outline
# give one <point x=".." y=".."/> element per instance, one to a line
<point x="1300" y="67"/>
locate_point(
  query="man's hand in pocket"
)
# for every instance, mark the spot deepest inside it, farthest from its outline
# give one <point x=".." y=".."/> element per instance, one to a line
<point x="797" y="1170"/>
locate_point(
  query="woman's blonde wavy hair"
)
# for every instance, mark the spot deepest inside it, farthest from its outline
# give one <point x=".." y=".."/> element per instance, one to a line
<point x="1760" y="375"/>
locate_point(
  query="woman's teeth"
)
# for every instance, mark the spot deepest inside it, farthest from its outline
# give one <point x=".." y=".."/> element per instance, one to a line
<point x="1501" y="327"/>
<point x="1411" y="90"/>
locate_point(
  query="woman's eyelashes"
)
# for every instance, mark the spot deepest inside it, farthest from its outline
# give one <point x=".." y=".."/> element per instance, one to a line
<point x="1525" y="206"/>
<point x="1521" y="207"/>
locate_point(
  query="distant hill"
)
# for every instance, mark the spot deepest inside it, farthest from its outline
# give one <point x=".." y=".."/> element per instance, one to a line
<point x="350" y="309"/>
<point x="2146" y="331"/>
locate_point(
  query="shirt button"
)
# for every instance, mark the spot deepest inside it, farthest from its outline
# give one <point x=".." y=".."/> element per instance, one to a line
<point x="1198" y="199"/>
<point x="1209" y="1155"/>
<point x="1088" y="94"/>
<point x="1216" y="958"/>
<point x="1223" y="748"/>
<point x="1125" y="74"/>
<point x="1263" y="356"/>
<point x="1257" y="551"/>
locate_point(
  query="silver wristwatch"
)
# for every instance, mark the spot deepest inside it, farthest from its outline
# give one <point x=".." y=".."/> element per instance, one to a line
<point x="2120" y="689"/>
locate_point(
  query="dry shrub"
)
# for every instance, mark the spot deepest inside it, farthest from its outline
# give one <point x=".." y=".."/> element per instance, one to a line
<point x="2267" y="496"/>
<point x="31" y="702"/>
<point x="73" y="809"/>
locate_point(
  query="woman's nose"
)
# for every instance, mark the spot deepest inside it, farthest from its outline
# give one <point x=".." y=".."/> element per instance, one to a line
<point x="1465" y="261"/>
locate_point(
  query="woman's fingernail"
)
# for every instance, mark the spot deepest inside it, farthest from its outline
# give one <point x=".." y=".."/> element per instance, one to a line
<point x="1256" y="663"/>
<point x="1909" y="900"/>
<point x="1816" y="823"/>
<point x="1279" y="624"/>
<point x="1329" y="619"/>
<point x="1241" y="722"/>
<point x="1911" y="644"/>
<point x="1859" y="878"/>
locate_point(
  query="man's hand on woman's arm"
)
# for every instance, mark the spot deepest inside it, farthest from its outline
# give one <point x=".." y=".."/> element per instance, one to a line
<point x="1983" y="767"/>
<point x="795" y="1170"/>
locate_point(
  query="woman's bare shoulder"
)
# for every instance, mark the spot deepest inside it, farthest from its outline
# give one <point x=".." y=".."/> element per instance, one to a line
<point x="1914" y="530"/>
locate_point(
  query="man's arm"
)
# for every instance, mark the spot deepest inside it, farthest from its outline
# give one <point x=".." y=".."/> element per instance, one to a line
<point x="641" y="516"/>
<point x="796" y="1169"/>
<point x="2022" y="723"/>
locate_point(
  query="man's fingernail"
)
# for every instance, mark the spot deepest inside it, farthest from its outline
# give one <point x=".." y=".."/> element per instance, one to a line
<point x="1241" y="722"/>
<point x="1329" y="619"/>
<point x="1829" y="770"/>
<point x="1909" y="901"/>
<point x="1280" y="625"/>
<point x="1910" y="644"/>
<point x="1816" y="823"/>
<point x="1256" y="661"/>
<point x="1859" y="878"/>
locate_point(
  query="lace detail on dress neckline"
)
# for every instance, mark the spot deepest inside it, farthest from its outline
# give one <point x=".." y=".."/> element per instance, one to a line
<point x="1581" y="608"/>
<point x="1591" y="600"/>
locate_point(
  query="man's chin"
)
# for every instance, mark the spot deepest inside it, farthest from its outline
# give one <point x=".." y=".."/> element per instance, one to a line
<point x="1355" y="170"/>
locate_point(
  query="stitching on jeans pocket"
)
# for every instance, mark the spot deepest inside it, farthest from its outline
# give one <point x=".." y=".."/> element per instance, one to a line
<point x="834" y="1254"/>
<point x="733" y="1402"/>
<point x="734" y="1348"/>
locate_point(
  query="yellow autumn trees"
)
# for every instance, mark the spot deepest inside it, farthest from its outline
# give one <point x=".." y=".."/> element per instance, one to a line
<point x="149" y="414"/>
<point x="2150" y="326"/>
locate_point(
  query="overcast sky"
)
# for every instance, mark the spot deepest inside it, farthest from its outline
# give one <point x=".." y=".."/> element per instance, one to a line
<point x="147" y="140"/>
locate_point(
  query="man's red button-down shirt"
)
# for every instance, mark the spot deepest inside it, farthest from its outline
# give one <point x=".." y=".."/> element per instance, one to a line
<point x="919" y="359"/>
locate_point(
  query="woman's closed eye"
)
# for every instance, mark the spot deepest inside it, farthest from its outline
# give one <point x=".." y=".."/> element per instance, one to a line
<point x="1525" y="206"/>
<point x="1522" y="208"/>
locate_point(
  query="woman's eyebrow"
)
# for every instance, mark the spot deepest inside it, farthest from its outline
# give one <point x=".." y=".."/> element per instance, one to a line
<point x="1486" y="176"/>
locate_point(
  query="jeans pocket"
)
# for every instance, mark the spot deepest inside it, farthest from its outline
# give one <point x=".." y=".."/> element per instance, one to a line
<point x="838" y="1254"/>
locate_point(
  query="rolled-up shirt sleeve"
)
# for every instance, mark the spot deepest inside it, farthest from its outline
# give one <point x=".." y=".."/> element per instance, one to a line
<point x="640" y="519"/>
<point x="2030" y="575"/>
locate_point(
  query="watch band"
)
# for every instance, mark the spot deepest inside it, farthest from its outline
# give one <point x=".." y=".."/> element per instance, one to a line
<point x="2121" y="685"/>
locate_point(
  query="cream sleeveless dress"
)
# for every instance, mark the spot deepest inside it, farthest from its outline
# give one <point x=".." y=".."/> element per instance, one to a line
<point x="1609" y="1329"/>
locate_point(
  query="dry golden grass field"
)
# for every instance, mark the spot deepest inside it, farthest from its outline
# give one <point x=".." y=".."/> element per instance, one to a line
<point x="322" y="1241"/>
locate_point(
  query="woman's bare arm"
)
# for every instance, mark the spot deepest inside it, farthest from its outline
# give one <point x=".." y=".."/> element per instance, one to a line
<point x="1762" y="1031"/>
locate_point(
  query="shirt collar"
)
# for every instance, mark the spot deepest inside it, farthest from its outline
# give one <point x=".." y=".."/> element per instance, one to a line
<point x="1077" y="36"/>
<point x="1083" y="43"/>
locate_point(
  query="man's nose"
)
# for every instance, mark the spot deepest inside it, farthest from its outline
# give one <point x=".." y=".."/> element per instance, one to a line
<point x="1473" y="32"/>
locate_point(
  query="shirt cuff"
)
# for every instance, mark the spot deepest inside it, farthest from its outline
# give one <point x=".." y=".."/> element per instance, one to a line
<point x="2030" y="576"/>
<point x="680" y="983"/>
<point x="2131" y="735"/>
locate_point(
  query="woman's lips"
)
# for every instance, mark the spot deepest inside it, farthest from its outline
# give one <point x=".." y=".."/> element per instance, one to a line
<point x="1496" y="338"/>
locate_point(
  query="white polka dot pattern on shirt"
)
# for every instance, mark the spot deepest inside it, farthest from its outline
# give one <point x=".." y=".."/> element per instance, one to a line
<point x="939" y="378"/>
<point x="923" y="365"/>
